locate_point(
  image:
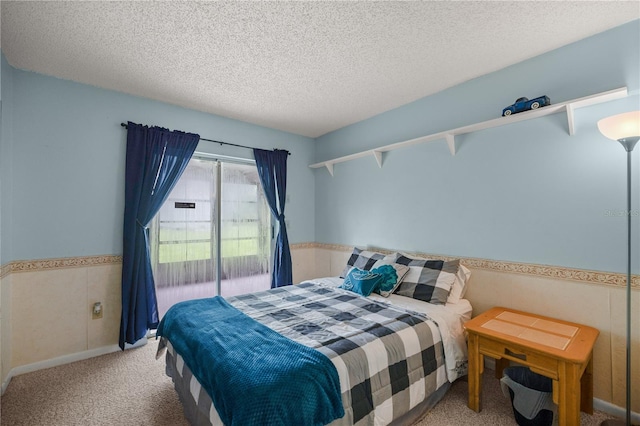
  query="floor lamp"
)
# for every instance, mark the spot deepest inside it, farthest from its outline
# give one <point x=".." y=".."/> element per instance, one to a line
<point x="625" y="128"/>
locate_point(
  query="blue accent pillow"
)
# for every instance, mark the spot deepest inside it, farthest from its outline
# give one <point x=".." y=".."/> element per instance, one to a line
<point x="361" y="281"/>
<point x="389" y="280"/>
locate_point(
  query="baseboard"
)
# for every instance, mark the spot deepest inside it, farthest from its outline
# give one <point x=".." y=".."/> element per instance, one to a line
<point x="489" y="363"/>
<point x="65" y="359"/>
<point x="614" y="410"/>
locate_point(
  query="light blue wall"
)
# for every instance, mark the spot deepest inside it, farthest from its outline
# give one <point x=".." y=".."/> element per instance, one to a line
<point x="68" y="164"/>
<point x="525" y="192"/>
<point x="6" y="164"/>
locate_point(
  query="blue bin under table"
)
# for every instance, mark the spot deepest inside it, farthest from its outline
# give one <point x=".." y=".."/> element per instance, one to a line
<point x="531" y="396"/>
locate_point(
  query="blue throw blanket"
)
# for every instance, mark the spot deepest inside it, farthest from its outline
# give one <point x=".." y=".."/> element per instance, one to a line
<point x="253" y="375"/>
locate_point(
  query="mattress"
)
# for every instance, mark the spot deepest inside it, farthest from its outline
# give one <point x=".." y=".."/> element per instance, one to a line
<point x="444" y="323"/>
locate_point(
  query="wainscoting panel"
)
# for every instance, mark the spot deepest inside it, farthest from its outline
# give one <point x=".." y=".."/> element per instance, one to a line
<point x="46" y="310"/>
<point x="303" y="258"/>
<point x="46" y="307"/>
<point x="104" y="285"/>
<point x="48" y="314"/>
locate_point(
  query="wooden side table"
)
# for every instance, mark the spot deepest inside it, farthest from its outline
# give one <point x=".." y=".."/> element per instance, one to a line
<point x="556" y="349"/>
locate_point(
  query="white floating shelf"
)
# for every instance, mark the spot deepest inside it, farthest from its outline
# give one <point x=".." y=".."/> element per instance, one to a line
<point x="449" y="135"/>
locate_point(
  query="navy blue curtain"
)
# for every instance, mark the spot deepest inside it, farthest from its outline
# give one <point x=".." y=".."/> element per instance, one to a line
<point x="272" y="169"/>
<point x="156" y="158"/>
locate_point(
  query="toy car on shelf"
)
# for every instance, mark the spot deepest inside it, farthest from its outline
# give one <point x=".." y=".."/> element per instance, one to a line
<point x="524" y="104"/>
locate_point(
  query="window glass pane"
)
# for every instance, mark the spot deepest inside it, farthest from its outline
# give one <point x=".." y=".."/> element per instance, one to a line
<point x="184" y="240"/>
<point x="172" y="253"/>
<point x="202" y="212"/>
<point x="229" y="230"/>
<point x="168" y="212"/>
<point x="199" y="251"/>
<point x="199" y="231"/>
<point x="172" y="231"/>
<point x="248" y="230"/>
<point x="199" y="189"/>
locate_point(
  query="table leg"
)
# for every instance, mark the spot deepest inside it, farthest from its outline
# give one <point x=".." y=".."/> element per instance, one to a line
<point x="586" y="388"/>
<point x="568" y="394"/>
<point x="475" y="373"/>
<point x="501" y="364"/>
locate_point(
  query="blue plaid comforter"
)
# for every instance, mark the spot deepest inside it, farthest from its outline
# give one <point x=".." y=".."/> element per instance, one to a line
<point x="388" y="359"/>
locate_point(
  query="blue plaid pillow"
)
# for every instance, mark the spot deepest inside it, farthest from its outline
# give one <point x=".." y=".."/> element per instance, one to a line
<point x="361" y="259"/>
<point x="427" y="280"/>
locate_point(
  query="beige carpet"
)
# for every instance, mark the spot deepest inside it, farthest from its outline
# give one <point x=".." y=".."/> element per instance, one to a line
<point x="131" y="388"/>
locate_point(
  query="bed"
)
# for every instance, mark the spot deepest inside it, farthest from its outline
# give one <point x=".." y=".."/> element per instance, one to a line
<point x="394" y="357"/>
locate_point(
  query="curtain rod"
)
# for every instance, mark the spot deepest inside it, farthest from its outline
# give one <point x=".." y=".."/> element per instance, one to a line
<point x="222" y="143"/>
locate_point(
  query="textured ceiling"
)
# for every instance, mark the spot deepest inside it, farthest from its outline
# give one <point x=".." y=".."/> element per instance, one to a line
<point x="303" y="67"/>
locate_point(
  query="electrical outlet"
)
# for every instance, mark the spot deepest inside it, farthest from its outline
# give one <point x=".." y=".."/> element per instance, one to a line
<point x="96" y="312"/>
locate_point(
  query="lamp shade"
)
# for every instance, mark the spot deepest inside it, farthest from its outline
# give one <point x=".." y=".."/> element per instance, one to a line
<point x="621" y="126"/>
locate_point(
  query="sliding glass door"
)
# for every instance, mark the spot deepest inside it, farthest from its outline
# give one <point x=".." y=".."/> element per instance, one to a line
<point x="213" y="234"/>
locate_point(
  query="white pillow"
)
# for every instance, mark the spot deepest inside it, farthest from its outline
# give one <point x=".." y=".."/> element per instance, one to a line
<point x="459" y="287"/>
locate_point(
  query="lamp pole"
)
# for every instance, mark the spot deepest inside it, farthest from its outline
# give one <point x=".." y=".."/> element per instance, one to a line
<point x="628" y="144"/>
<point x="625" y="128"/>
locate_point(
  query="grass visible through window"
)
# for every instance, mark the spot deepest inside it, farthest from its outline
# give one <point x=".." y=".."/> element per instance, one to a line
<point x="239" y="239"/>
